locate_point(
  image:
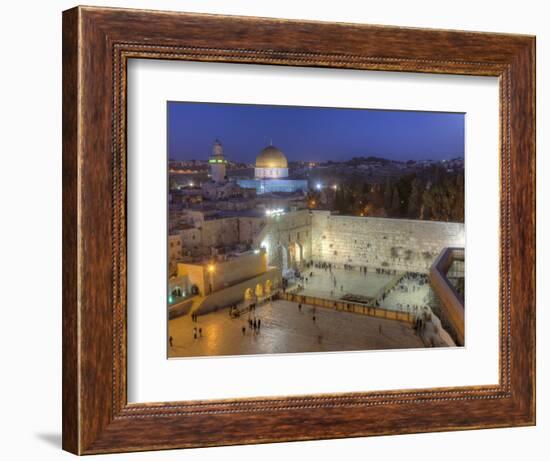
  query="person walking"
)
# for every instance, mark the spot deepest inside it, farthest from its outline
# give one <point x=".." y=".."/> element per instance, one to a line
<point x="200" y="332"/>
<point x="259" y="323"/>
<point x="243" y="329"/>
<point x="171" y="341"/>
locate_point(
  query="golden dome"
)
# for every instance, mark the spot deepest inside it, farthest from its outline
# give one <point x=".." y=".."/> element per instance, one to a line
<point x="271" y="157"/>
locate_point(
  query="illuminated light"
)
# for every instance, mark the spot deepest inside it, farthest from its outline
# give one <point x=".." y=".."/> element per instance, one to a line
<point x="211" y="268"/>
<point x="335" y="186"/>
<point x="318" y="186"/>
<point x="274" y="212"/>
<point x="256" y="252"/>
<point x="191" y="184"/>
<point x="170" y="299"/>
<point x="265" y="246"/>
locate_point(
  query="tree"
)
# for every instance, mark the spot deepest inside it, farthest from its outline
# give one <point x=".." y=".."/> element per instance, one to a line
<point x="388" y="195"/>
<point x="341" y="202"/>
<point x="458" y="209"/>
<point x="396" y="203"/>
<point x="415" y="198"/>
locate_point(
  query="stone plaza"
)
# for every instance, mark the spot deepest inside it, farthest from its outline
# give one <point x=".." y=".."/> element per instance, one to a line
<point x="285" y="328"/>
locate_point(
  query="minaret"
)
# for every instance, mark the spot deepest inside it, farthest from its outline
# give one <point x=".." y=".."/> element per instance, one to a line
<point x="217" y="162"/>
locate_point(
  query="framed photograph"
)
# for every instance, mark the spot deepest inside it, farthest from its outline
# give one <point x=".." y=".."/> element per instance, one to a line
<point x="282" y="230"/>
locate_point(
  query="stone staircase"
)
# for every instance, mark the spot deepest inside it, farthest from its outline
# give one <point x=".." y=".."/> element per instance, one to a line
<point x="185" y="307"/>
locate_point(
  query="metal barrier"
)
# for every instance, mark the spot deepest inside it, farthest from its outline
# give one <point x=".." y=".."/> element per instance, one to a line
<point x="352" y="307"/>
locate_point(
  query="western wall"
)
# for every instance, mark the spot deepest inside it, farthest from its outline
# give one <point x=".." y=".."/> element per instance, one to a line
<point x="394" y="244"/>
<point x="401" y="244"/>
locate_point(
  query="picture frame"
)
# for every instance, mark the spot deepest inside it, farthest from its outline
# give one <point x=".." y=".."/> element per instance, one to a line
<point x="97" y="44"/>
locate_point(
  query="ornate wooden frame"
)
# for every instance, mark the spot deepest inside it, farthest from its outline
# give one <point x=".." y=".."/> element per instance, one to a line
<point x="97" y="43"/>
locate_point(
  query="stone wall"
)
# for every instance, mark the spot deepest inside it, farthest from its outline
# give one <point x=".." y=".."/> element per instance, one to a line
<point x="174" y="252"/>
<point x="401" y="244"/>
<point x="235" y="294"/>
<point x="296" y="236"/>
<point x="290" y="234"/>
<point x="223" y="273"/>
<point x="197" y="242"/>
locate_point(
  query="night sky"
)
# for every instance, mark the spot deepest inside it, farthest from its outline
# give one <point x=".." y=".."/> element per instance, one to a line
<point x="312" y="133"/>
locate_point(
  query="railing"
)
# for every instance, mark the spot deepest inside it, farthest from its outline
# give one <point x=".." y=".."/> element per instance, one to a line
<point x="452" y="302"/>
<point x="347" y="306"/>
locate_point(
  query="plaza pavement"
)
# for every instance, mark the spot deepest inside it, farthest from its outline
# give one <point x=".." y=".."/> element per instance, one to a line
<point x="338" y="282"/>
<point x="286" y="329"/>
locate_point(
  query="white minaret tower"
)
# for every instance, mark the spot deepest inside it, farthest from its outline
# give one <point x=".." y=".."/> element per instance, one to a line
<point x="217" y="162"/>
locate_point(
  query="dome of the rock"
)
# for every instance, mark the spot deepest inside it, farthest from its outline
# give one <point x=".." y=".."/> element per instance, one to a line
<point x="271" y="157"/>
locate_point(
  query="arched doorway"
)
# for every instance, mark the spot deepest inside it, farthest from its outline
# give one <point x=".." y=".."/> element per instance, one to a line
<point x="284" y="258"/>
<point x="248" y="295"/>
<point x="296" y="252"/>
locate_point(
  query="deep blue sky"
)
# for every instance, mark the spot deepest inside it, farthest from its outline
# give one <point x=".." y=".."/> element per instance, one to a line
<point x="312" y="133"/>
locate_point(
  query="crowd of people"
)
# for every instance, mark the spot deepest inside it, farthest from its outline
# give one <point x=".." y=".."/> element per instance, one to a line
<point x="381" y="270"/>
<point x="408" y="282"/>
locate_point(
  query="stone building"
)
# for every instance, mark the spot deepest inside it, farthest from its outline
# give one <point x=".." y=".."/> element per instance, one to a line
<point x="230" y="279"/>
<point x="215" y="232"/>
<point x="286" y="237"/>
<point x="175" y="252"/>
